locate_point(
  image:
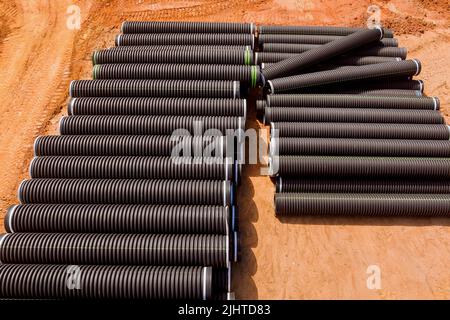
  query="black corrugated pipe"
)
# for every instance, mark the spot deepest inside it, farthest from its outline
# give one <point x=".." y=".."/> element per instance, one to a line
<point x="324" y="166"/>
<point x="222" y="57"/>
<point x="185" y="27"/>
<point x="146" y="125"/>
<point x="116" y="249"/>
<point x="365" y="85"/>
<point x="132" y="145"/>
<point x="175" y="47"/>
<point x="316" y="39"/>
<point x="135" y="167"/>
<point x="356" y="147"/>
<point x="270" y="58"/>
<point x="125" y="218"/>
<point x="389" y="69"/>
<point x="385" y="93"/>
<point x="44" y="281"/>
<point x="308" y="185"/>
<point x="350" y="101"/>
<point x="326" y="67"/>
<point x="360" y="130"/>
<point x="155" y="88"/>
<point x="319" y="204"/>
<point x="327" y="51"/>
<point x="352" y="115"/>
<point x="315" y="30"/>
<point x="157" y="106"/>
<point x="369" y="51"/>
<point x="184" y="39"/>
<point x="127" y="191"/>
<point x="246" y="74"/>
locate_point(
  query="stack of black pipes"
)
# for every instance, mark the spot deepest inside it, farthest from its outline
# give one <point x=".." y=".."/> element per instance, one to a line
<point x="117" y="206"/>
<point x="351" y="131"/>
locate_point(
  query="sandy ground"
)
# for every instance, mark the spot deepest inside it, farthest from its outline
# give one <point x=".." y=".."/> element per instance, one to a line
<point x="298" y="258"/>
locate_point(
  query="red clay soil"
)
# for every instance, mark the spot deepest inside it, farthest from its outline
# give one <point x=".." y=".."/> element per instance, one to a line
<point x="297" y="258"/>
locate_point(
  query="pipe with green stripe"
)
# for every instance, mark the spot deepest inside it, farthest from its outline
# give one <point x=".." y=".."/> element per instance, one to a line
<point x="247" y="74"/>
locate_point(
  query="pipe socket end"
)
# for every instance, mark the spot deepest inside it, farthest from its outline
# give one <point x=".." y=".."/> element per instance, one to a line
<point x="419" y="66"/>
<point x="19" y="190"/>
<point x="236" y="247"/>
<point x="271" y="89"/>
<point x="207" y="283"/>
<point x="234" y="219"/>
<point x="31" y="167"/>
<point x="237" y="172"/>
<point x="61" y="125"/>
<point x="437" y="103"/>
<point x="273" y="147"/>
<point x="260" y="105"/>
<point x="273" y="166"/>
<point x="70" y="106"/>
<point x="2" y="238"/>
<point x="94" y="58"/>
<point x="236" y="89"/>
<point x="267" y="115"/>
<point x="71" y="88"/>
<point x="8" y="219"/>
<point x="279" y="185"/>
<point x="228" y="193"/>
<point x="231" y="296"/>
<point x="35" y="145"/>
<point x="381" y="31"/>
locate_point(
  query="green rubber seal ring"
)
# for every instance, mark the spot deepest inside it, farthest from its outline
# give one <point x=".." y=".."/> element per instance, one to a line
<point x="253" y="72"/>
<point x="246" y="57"/>
<point x="94" y="54"/>
<point x="94" y="72"/>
